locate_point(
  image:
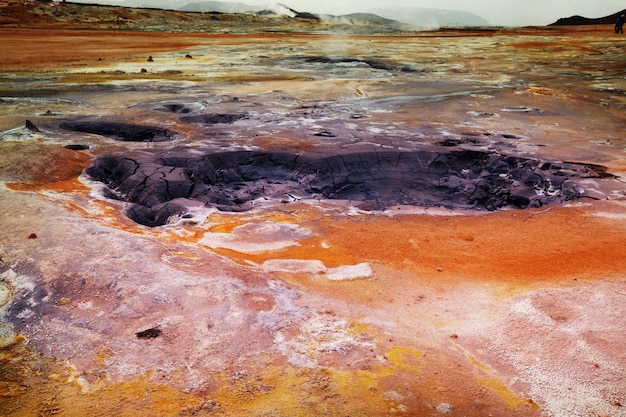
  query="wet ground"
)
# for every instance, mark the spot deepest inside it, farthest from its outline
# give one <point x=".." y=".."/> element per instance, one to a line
<point x="427" y="224"/>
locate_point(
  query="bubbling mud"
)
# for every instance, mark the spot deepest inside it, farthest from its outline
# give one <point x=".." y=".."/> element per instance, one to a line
<point x="163" y="186"/>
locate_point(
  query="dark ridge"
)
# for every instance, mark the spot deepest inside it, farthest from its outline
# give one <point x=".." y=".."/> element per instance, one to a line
<point x="162" y="187"/>
<point x="124" y="132"/>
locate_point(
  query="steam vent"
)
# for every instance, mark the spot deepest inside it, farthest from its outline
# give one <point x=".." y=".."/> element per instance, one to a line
<point x="314" y="216"/>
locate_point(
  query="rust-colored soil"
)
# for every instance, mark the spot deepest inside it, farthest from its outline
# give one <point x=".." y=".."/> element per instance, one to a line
<point x="39" y="49"/>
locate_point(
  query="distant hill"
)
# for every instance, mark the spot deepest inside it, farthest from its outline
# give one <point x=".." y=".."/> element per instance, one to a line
<point x="430" y="18"/>
<point x="279" y="8"/>
<point x="155" y="4"/>
<point x="580" y="20"/>
<point x="209" y="6"/>
<point x="219" y="7"/>
<point x="280" y="18"/>
<point x="384" y="16"/>
<point x="361" y="18"/>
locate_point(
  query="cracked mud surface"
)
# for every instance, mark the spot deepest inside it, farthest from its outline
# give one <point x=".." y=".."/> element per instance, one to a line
<point x="426" y="224"/>
<point x="162" y="186"/>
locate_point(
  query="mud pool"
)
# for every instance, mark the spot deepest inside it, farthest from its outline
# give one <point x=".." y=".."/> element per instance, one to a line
<point x="304" y="225"/>
<point x="164" y="187"/>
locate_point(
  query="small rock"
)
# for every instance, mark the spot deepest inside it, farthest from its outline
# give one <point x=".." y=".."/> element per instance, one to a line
<point x="32" y="236"/>
<point x="31" y="126"/>
<point x="444" y="408"/>
<point x="150" y="59"/>
<point x="188" y="56"/>
<point x="144" y="70"/>
<point x="151" y="333"/>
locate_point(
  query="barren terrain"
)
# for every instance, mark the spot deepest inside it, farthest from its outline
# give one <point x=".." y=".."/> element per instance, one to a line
<point x="230" y="224"/>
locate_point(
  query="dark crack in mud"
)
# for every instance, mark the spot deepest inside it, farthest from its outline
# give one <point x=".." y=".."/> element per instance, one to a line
<point x="164" y="186"/>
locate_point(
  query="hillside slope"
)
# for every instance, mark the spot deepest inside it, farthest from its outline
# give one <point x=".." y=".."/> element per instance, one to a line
<point x="93" y="16"/>
<point x="580" y="20"/>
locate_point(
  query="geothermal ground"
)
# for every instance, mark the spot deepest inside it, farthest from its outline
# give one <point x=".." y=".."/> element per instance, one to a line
<point x="313" y="224"/>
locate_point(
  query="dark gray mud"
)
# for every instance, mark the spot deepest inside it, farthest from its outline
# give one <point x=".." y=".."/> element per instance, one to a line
<point x="366" y="62"/>
<point x="163" y="186"/>
<point x="212" y="118"/>
<point x="121" y="131"/>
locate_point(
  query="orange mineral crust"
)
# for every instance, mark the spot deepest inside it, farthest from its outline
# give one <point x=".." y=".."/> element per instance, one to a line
<point x="534" y="246"/>
<point x="205" y="217"/>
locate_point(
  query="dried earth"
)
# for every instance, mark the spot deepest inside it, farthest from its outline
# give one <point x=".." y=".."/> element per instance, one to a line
<point x="318" y="302"/>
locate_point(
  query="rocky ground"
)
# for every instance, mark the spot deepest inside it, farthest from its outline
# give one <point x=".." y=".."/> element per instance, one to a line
<point x="232" y="224"/>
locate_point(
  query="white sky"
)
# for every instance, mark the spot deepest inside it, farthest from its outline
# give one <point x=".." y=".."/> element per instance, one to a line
<point x="497" y="12"/>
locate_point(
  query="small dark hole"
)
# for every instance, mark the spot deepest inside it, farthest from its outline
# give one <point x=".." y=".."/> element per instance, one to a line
<point x="77" y="147"/>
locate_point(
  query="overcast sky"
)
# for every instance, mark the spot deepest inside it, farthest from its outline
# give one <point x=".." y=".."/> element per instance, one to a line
<point x="497" y="12"/>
